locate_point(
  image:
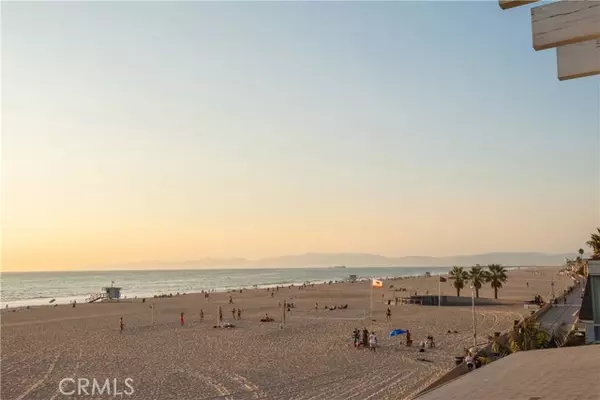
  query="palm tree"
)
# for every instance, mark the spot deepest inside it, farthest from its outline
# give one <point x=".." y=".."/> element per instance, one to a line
<point x="496" y="277"/>
<point x="460" y="276"/>
<point x="478" y="276"/>
<point x="594" y="243"/>
<point x="580" y="252"/>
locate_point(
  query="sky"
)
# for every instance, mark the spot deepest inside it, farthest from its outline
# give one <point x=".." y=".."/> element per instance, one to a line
<point x="175" y="131"/>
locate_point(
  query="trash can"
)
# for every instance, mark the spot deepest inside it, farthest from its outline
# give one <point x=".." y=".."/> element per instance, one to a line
<point x="389" y="302"/>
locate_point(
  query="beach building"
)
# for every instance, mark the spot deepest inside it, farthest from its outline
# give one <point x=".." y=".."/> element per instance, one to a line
<point x="551" y="374"/>
<point x="589" y="313"/>
<point x="111" y="292"/>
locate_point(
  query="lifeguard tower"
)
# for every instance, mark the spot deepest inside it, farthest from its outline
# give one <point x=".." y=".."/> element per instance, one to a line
<point x="111" y="292"/>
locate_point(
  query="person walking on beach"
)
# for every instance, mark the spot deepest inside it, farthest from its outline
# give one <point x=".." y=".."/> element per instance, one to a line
<point x="220" y="315"/>
<point x="201" y="314"/>
<point x="365" y="338"/>
<point x="230" y="300"/>
<point x="121" y="325"/>
<point x="388" y="314"/>
<point x="181" y="318"/>
<point x="372" y="342"/>
<point x="233" y="313"/>
<point x="239" y="313"/>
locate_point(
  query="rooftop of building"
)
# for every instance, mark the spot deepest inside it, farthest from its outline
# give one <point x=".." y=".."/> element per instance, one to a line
<point x="551" y="374"/>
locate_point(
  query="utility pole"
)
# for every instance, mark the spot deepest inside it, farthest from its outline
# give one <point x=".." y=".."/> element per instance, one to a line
<point x="284" y="307"/>
<point x="473" y="312"/>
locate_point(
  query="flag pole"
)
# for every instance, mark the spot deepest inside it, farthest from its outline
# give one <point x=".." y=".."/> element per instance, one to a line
<point x="371" y="303"/>
<point x="439" y="291"/>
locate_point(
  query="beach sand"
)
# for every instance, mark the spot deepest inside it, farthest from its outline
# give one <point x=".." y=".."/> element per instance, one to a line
<point x="311" y="358"/>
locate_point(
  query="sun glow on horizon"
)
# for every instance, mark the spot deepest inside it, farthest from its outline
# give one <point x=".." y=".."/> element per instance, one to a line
<point x="154" y="131"/>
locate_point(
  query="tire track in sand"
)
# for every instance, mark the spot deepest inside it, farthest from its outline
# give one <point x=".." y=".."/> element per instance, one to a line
<point x="248" y="388"/>
<point x="251" y="387"/>
<point x="78" y="364"/>
<point x="42" y="380"/>
<point x="340" y="383"/>
<point x="381" y="385"/>
<point x="24" y="362"/>
<point x="218" y="387"/>
<point x="366" y="381"/>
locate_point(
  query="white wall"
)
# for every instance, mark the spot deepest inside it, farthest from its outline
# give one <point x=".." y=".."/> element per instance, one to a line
<point x="589" y="334"/>
<point x="594" y="267"/>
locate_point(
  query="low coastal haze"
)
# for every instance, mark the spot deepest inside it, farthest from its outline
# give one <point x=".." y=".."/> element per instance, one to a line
<point x="178" y="132"/>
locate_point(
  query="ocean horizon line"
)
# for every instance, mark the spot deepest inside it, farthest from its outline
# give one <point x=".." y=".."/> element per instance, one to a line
<point x="162" y="269"/>
<point x="234" y="268"/>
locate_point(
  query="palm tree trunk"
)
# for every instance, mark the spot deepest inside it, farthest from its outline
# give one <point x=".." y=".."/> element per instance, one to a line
<point x="495" y="292"/>
<point x="457" y="292"/>
<point x="477" y="292"/>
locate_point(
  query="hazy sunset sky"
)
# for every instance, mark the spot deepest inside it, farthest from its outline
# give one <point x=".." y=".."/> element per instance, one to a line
<point x="155" y="131"/>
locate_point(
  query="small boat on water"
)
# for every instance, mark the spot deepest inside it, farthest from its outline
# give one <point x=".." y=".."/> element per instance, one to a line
<point x="337" y="266"/>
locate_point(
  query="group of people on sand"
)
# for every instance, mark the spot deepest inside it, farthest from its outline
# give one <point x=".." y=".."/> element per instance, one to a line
<point x="471" y="359"/>
<point x="331" y="308"/>
<point x="365" y="339"/>
<point x="428" y="343"/>
<point x="267" y="319"/>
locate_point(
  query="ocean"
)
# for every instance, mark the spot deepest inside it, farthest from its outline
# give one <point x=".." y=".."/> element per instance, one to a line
<point x="37" y="288"/>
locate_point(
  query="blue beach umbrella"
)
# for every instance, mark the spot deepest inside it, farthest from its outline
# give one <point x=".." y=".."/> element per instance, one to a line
<point x="397" y="332"/>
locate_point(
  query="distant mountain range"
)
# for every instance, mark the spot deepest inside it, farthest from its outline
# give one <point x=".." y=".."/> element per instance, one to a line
<point x="309" y="260"/>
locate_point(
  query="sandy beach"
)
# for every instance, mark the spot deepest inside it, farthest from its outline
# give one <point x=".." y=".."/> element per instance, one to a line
<point x="311" y="358"/>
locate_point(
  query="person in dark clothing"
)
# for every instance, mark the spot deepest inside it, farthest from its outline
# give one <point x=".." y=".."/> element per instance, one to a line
<point x="365" y="338"/>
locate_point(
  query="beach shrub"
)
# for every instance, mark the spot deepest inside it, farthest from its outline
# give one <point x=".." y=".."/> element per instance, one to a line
<point x="514" y="346"/>
<point x="528" y="336"/>
<point x="594" y="243"/>
<point x="496" y="276"/>
<point x="495" y="347"/>
<point x="485" y="360"/>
